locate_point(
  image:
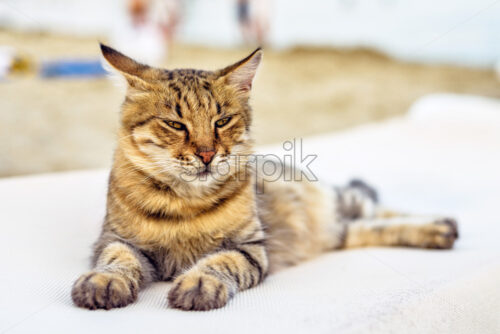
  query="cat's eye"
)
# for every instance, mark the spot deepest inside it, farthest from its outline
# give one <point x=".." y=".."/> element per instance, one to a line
<point x="175" y="125"/>
<point x="223" y="121"/>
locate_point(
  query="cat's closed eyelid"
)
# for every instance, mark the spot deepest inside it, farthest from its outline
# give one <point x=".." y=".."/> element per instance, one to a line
<point x="175" y="125"/>
<point x="230" y="119"/>
<point x="222" y="122"/>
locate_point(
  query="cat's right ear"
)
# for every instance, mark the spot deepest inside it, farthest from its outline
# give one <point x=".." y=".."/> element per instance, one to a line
<point x="241" y="74"/>
<point x="137" y="75"/>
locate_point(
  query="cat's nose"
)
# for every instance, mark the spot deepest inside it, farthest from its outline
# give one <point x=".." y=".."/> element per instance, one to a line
<point x="206" y="156"/>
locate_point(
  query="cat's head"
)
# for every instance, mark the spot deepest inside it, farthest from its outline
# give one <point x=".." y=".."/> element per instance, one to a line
<point x="186" y="126"/>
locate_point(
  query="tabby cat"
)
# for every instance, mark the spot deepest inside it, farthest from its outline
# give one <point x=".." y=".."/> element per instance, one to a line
<point x="186" y="203"/>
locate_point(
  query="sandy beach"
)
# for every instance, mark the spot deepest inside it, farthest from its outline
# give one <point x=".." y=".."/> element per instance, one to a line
<point x="60" y="124"/>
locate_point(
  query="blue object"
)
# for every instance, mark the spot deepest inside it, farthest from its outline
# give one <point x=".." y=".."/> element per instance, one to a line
<point x="72" y="68"/>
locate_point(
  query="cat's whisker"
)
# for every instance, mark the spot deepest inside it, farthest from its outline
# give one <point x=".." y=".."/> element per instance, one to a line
<point x="125" y="137"/>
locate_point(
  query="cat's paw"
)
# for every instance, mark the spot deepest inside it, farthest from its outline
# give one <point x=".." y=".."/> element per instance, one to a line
<point x="199" y="291"/>
<point x="100" y="290"/>
<point x="441" y="234"/>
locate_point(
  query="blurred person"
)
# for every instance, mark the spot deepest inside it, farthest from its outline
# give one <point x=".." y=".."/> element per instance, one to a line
<point x="172" y="9"/>
<point x="253" y="18"/>
<point x="244" y="18"/>
<point x="149" y="29"/>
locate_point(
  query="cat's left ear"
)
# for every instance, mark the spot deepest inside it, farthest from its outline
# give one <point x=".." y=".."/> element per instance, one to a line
<point x="241" y="74"/>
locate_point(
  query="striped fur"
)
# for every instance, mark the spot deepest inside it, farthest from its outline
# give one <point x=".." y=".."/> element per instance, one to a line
<point x="182" y="203"/>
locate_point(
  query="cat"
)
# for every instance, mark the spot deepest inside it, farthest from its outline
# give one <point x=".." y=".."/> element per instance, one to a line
<point x="187" y="204"/>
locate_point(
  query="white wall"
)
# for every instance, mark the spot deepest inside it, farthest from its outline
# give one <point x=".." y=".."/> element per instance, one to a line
<point x="452" y="31"/>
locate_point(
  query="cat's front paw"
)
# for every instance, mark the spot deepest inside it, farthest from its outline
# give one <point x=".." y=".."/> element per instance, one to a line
<point x="199" y="291"/>
<point x="441" y="234"/>
<point x="101" y="290"/>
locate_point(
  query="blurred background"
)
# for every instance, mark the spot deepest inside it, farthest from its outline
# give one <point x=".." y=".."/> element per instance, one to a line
<point x="329" y="64"/>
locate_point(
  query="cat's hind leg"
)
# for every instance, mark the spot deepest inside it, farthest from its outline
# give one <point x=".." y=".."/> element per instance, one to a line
<point x="119" y="272"/>
<point x="368" y="224"/>
<point x="408" y="231"/>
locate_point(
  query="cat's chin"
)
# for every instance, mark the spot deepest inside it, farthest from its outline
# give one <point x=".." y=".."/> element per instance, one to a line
<point x="204" y="174"/>
<point x="202" y="179"/>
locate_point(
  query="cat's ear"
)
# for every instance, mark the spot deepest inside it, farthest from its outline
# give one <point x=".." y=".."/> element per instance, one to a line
<point x="242" y="73"/>
<point x="137" y="75"/>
